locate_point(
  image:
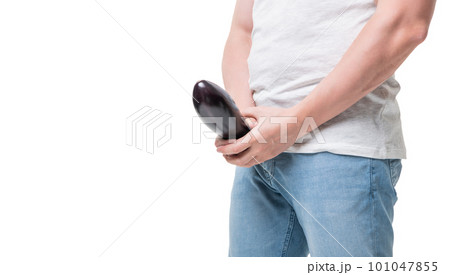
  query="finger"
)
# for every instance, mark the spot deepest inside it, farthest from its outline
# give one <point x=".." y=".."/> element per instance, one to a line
<point x="251" y="122"/>
<point x="251" y="158"/>
<point x="235" y="148"/>
<point x="250" y="112"/>
<point x="242" y="159"/>
<point x="251" y="163"/>
<point x="220" y="141"/>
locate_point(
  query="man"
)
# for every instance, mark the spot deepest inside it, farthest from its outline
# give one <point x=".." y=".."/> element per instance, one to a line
<point x="326" y="64"/>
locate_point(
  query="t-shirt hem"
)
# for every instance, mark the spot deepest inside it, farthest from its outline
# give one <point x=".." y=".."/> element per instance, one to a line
<point x="352" y="150"/>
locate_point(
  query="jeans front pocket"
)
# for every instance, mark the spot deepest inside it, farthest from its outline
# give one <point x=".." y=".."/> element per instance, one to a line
<point x="395" y="165"/>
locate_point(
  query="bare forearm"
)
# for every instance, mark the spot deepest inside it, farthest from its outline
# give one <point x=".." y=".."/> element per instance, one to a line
<point x="380" y="48"/>
<point x="235" y="69"/>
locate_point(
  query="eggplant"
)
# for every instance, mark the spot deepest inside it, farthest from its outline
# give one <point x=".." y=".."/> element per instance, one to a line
<point x="218" y="111"/>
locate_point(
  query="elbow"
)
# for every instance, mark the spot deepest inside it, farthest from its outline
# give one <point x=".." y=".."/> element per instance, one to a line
<point x="412" y="30"/>
<point x="417" y="34"/>
<point x="410" y="35"/>
<point x="407" y="22"/>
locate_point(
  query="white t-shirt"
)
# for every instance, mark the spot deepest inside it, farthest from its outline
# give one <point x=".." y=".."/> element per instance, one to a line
<point x="295" y="44"/>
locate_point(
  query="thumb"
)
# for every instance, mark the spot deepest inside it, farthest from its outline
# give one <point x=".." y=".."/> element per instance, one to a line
<point x="250" y="112"/>
<point x="251" y="122"/>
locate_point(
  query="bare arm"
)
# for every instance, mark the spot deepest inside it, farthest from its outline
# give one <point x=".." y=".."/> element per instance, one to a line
<point x="234" y="65"/>
<point x="396" y="28"/>
<point x="392" y="33"/>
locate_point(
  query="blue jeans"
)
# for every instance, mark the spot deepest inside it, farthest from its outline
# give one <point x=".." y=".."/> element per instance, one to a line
<point x="321" y="204"/>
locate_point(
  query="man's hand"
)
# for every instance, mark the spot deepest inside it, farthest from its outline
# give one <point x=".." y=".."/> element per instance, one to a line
<point x="275" y="130"/>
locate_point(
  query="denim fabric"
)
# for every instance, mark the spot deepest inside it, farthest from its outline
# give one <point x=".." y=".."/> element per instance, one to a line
<point x="321" y="204"/>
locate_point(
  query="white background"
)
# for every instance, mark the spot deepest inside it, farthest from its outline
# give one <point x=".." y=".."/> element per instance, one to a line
<point x="70" y="186"/>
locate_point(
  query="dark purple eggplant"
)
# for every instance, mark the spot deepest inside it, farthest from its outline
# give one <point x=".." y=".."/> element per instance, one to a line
<point x="218" y="110"/>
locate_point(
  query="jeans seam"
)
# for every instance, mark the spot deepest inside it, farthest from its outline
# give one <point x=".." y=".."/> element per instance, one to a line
<point x="268" y="172"/>
<point x="272" y="168"/>
<point x="287" y="239"/>
<point x="372" y="203"/>
<point x="392" y="178"/>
